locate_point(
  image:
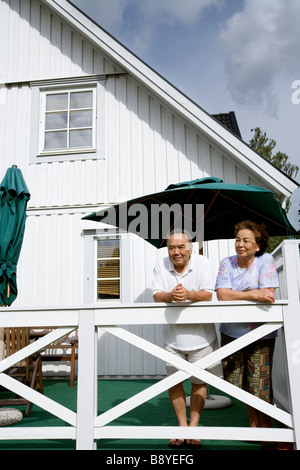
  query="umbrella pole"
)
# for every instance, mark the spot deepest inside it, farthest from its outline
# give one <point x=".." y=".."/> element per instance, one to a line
<point x="2" y="340"/>
<point x="2" y="344"/>
<point x="205" y="214"/>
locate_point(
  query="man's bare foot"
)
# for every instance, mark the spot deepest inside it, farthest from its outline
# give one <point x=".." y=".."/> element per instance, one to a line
<point x="193" y="443"/>
<point x="176" y="443"/>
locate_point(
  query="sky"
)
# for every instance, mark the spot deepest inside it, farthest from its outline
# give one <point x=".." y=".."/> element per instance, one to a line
<point x="226" y="55"/>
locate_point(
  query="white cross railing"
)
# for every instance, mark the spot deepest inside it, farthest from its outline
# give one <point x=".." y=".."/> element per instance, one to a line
<point x="86" y="426"/>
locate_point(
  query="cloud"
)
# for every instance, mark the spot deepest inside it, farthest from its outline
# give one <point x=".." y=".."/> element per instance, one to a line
<point x="153" y="15"/>
<point x="260" y="44"/>
<point x="135" y="22"/>
<point x="168" y="11"/>
<point x="107" y="13"/>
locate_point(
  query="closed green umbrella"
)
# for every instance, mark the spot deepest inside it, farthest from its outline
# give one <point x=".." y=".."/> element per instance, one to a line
<point x="14" y="196"/>
<point x="223" y="206"/>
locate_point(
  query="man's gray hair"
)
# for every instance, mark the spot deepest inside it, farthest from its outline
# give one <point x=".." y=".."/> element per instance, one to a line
<point x="179" y="230"/>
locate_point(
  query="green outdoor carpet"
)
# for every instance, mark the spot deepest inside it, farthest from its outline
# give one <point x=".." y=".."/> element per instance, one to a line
<point x="157" y="412"/>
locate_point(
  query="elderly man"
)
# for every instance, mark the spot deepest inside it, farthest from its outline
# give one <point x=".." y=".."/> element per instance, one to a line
<point x="184" y="277"/>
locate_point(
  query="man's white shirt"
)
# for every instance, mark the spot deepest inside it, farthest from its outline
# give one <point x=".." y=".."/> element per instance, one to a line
<point x="197" y="276"/>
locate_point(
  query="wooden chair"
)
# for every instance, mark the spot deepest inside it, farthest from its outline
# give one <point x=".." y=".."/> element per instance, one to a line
<point x="28" y="370"/>
<point x="63" y="350"/>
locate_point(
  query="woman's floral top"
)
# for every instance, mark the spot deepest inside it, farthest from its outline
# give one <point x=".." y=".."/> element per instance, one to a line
<point x="260" y="274"/>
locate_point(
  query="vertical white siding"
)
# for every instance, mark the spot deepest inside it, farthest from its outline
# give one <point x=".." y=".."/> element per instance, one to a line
<point x="50" y="270"/>
<point x="40" y="45"/>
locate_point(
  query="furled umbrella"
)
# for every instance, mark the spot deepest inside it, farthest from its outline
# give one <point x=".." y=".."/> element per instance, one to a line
<point x="223" y="205"/>
<point x="14" y="196"/>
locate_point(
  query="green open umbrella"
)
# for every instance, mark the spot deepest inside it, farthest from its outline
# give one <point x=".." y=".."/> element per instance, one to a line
<point x="223" y="205"/>
<point x="14" y="196"/>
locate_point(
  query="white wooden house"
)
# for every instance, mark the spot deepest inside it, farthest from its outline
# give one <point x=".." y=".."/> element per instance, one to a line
<point x="90" y="124"/>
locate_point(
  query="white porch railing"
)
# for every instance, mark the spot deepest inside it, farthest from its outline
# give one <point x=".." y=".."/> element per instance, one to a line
<point x="86" y="426"/>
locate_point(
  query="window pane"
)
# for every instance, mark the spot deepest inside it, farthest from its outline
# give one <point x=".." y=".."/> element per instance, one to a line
<point x="109" y="289"/>
<point x="81" y="118"/>
<point x="108" y="268"/>
<point x="56" y="140"/>
<point x="82" y="99"/>
<point x="56" y="121"/>
<point x="57" y="101"/>
<point x="108" y="249"/>
<point x="82" y="138"/>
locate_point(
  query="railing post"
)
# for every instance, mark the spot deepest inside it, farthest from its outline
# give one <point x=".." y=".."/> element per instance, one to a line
<point x="87" y="380"/>
<point x="291" y="330"/>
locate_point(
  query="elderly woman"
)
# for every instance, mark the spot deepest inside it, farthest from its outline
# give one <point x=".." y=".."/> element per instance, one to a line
<point x="249" y="275"/>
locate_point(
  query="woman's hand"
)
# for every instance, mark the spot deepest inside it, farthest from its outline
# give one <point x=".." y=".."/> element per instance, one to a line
<point x="265" y="295"/>
<point x="259" y="295"/>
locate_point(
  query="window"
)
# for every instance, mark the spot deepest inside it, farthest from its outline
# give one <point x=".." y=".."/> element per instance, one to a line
<point x="68" y="121"/>
<point x="108" y="268"/>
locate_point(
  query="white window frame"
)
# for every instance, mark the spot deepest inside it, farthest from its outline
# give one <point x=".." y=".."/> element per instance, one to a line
<point x="42" y="130"/>
<point x="39" y="89"/>
<point x="90" y="265"/>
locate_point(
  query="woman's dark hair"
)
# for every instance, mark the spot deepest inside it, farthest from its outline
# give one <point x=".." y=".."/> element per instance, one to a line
<point x="260" y="233"/>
